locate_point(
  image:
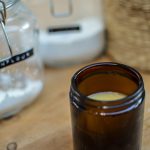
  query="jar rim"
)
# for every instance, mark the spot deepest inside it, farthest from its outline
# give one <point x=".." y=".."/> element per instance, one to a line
<point x="123" y="101"/>
<point x="9" y="3"/>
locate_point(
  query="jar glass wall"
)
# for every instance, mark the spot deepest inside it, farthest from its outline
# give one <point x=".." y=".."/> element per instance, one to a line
<point x="18" y="80"/>
<point x="108" y="125"/>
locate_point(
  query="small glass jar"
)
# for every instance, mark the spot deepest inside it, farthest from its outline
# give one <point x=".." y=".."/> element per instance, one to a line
<point x="107" y="125"/>
<point x="21" y="68"/>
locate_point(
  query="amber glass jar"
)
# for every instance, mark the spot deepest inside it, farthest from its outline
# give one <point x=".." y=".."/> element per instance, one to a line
<point x="107" y="125"/>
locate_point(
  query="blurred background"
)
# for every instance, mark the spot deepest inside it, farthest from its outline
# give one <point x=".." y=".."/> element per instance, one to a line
<point x="126" y="22"/>
<point x="65" y="36"/>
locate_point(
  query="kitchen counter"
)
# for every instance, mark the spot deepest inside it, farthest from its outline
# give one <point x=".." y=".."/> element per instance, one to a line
<point x="46" y="125"/>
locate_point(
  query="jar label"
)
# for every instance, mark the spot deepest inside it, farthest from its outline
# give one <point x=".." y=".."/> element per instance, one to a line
<point x="17" y="58"/>
<point x="64" y="29"/>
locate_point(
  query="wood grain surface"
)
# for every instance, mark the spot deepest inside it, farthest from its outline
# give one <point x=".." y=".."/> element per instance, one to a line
<point x="46" y="125"/>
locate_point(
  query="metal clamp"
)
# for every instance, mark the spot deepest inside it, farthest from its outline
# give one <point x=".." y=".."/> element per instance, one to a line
<point x="64" y="14"/>
<point x="3" y="22"/>
<point x="3" y="11"/>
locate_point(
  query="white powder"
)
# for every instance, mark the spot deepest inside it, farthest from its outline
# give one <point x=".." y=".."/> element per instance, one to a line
<point x="12" y="100"/>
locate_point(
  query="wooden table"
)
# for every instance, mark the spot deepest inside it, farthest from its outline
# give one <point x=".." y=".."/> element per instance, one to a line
<point x="46" y="125"/>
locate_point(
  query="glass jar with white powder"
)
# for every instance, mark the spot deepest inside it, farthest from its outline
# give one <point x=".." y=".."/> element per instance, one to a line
<point x="20" y="66"/>
<point x="71" y="31"/>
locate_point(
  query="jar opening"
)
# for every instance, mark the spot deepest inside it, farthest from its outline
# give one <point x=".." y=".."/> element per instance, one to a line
<point x="107" y="77"/>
